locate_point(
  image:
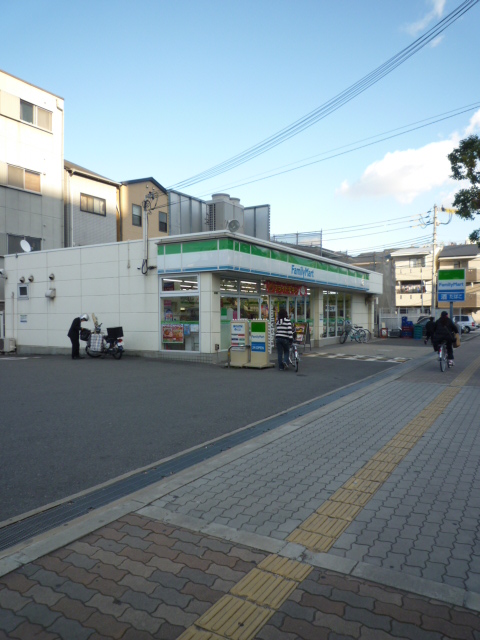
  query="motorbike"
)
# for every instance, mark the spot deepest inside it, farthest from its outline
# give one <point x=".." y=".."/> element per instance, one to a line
<point x="100" y="345"/>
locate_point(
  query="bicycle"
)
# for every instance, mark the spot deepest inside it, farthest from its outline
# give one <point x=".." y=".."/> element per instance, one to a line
<point x="442" y="357"/>
<point x="293" y="357"/>
<point x="356" y="333"/>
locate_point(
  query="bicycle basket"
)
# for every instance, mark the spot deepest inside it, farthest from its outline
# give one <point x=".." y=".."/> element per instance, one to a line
<point x="85" y="334"/>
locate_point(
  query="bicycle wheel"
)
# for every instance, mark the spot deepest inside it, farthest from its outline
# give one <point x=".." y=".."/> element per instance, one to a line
<point x="296" y="363"/>
<point x="343" y="337"/>
<point x="360" y="335"/>
<point x="442" y="356"/>
<point x="367" y="336"/>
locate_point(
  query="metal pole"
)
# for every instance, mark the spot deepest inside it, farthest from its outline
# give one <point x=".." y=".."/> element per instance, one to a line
<point x="433" y="257"/>
<point x="321" y="242"/>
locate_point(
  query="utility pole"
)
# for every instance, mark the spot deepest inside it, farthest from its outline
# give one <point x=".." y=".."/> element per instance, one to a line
<point x="433" y="258"/>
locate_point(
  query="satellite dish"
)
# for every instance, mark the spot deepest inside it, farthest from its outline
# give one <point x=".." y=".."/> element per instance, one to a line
<point x="233" y="225"/>
<point x="25" y="246"/>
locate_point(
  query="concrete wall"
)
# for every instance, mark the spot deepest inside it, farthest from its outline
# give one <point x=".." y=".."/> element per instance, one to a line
<point x="103" y="279"/>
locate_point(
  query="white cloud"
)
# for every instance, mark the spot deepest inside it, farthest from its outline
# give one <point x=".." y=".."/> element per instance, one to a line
<point x="404" y="174"/>
<point x="474" y="124"/>
<point x="434" y="14"/>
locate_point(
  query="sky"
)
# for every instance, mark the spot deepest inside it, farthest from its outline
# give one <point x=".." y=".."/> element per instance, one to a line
<point x="169" y="89"/>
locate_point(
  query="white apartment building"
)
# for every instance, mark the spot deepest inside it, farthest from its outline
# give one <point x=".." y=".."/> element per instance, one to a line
<point x="31" y="168"/>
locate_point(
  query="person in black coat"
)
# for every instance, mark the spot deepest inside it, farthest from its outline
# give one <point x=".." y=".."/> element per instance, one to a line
<point x="74" y="335"/>
<point x="445" y="331"/>
<point x="430" y="329"/>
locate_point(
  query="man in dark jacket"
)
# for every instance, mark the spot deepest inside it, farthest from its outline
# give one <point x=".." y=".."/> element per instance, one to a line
<point x="74" y="335"/>
<point x="445" y="331"/>
<point x="430" y="329"/>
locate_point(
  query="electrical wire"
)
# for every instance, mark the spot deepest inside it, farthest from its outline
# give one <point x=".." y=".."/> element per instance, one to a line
<point x="335" y="103"/>
<point x="452" y="113"/>
<point x="342" y="153"/>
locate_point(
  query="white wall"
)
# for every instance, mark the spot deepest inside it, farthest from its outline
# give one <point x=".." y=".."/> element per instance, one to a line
<point x="103" y="279"/>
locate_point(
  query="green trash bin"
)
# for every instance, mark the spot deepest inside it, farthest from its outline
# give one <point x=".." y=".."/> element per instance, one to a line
<point x="418" y="332"/>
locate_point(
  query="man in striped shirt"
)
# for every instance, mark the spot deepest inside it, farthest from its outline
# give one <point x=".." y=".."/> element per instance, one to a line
<point x="283" y="339"/>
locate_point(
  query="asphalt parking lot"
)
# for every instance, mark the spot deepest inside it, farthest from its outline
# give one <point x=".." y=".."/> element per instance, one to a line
<point x="69" y="425"/>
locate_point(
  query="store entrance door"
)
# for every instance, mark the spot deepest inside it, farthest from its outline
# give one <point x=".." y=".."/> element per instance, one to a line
<point x="277" y="303"/>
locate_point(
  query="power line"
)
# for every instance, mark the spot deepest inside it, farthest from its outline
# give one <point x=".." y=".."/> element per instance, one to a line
<point x="335" y="103"/>
<point x="437" y="118"/>
<point x="342" y="153"/>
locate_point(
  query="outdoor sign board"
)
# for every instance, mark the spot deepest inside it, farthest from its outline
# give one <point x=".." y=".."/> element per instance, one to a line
<point x="237" y="335"/>
<point x="259" y="336"/>
<point x="451" y="285"/>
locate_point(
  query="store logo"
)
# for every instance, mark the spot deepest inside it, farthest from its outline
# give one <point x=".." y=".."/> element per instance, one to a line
<point x="303" y="272"/>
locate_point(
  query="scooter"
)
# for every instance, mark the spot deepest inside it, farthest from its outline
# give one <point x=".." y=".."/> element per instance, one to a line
<point x="100" y="345"/>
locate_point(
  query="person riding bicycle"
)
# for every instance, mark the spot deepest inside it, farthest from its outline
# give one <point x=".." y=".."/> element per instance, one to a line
<point x="283" y="339"/>
<point x="445" y="331"/>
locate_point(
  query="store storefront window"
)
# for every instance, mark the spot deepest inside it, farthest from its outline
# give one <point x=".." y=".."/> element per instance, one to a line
<point x="179" y="283"/>
<point x="180" y="314"/>
<point x="228" y="285"/>
<point x="228" y="312"/>
<point x="248" y="286"/>
<point x="249" y="308"/>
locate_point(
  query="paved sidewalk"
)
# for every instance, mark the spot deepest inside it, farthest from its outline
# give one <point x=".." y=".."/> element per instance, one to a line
<point x="358" y="520"/>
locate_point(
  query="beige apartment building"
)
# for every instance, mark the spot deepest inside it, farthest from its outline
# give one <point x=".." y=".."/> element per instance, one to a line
<point x="132" y="194"/>
<point x="463" y="256"/>
<point x="413" y="280"/>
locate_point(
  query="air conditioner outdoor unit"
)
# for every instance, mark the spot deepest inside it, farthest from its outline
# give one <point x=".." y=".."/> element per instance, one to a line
<point x="7" y="345"/>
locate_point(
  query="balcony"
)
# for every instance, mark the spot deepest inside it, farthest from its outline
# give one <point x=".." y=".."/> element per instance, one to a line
<point x="413" y="273"/>
<point x="473" y="275"/>
<point x="413" y="299"/>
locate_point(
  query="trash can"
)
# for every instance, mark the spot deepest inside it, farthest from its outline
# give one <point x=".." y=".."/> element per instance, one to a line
<point x="418" y="332"/>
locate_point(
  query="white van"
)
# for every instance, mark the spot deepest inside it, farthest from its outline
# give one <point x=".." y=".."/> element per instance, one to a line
<point x="465" y="323"/>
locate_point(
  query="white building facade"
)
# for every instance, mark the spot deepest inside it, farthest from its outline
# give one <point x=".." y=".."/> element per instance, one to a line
<point x="31" y="167"/>
<point x="194" y="287"/>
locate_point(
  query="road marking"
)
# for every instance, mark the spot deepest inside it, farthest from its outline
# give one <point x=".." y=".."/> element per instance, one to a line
<point x="358" y="357"/>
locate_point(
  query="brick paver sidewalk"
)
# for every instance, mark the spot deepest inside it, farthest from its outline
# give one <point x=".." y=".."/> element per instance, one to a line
<point x="359" y="520"/>
<point x="137" y="579"/>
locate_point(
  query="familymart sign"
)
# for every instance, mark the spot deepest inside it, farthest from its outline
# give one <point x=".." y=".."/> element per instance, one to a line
<point x="451" y="285"/>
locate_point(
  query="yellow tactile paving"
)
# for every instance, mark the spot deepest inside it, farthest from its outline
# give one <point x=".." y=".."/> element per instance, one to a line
<point x="286" y="568"/>
<point x="234" y="618"/>
<point x="199" y="634"/>
<point x="351" y="497"/>
<point x="324" y="525"/>
<point x="312" y="541"/>
<point x="264" y="588"/>
<point x="340" y="510"/>
<point x="360" y="484"/>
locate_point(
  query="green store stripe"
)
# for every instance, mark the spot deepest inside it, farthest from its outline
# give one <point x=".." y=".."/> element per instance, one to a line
<point x="243" y="247"/>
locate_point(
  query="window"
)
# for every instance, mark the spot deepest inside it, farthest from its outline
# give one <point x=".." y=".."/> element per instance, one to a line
<point x="456" y="265"/>
<point x="162" y="222"/>
<point x="416" y="262"/>
<point x="91" y="204"/>
<point x="136" y="215"/>
<point x="23" y="179"/>
<point x="35" y="115"/>
<point x="13" y="243"/>
<point x="180" y="283"/>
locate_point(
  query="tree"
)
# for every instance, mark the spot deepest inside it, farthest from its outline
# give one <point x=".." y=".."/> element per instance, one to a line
<point x="465" y="163"/>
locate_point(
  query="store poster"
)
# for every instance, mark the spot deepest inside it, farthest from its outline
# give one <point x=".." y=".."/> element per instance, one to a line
<point x="237" y="336"/>
<point x="172" y="333"/>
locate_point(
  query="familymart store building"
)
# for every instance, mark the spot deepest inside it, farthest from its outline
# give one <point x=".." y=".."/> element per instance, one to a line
<point x="207" y="280"/>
